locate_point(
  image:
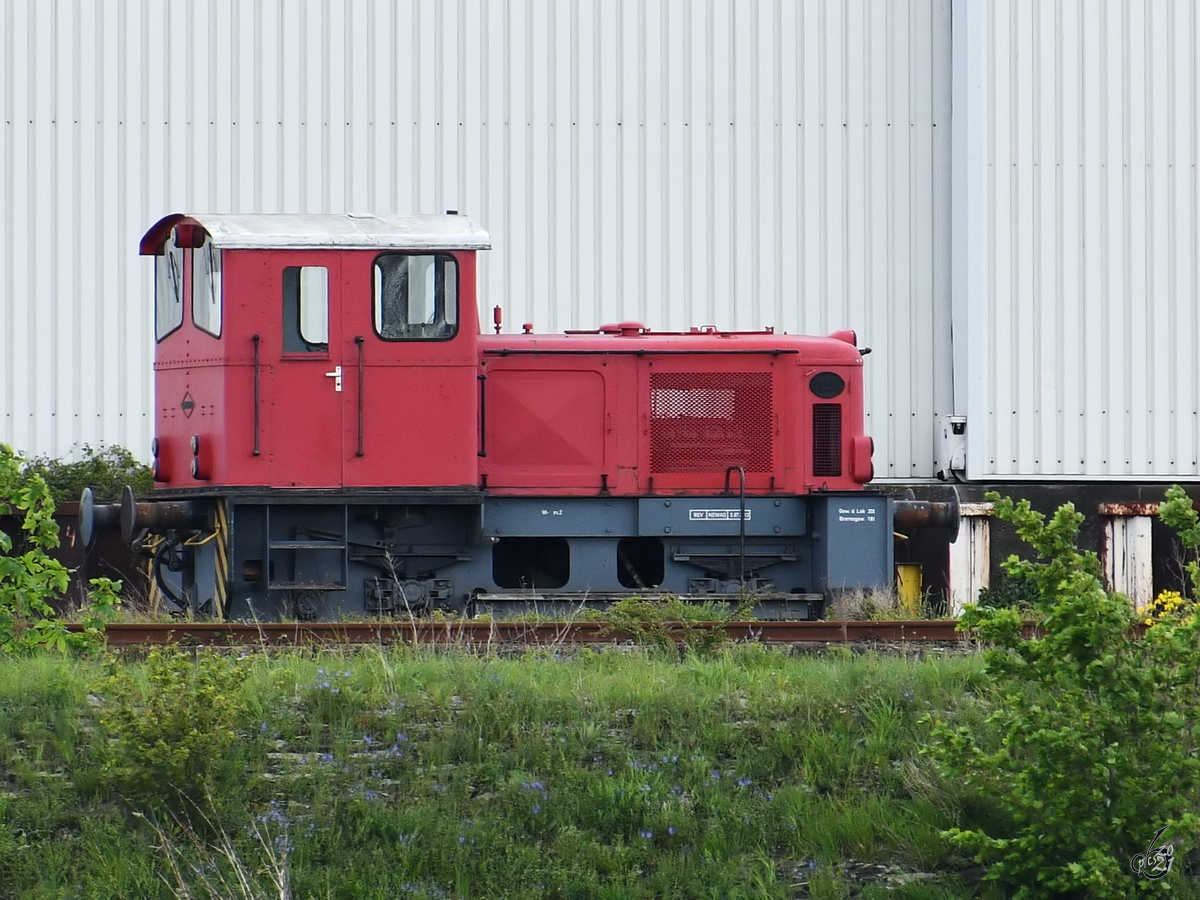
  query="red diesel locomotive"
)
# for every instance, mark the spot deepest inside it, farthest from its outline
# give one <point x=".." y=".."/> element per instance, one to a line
<point x="334" y="437"/>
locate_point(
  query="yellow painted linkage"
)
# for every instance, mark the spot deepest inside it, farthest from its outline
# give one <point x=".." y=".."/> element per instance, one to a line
<point x="908" y="588"/>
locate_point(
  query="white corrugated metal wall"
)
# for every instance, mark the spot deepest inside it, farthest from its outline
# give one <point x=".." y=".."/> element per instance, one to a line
<point x="749" y="163"/>
<point x="1076" y="191"/>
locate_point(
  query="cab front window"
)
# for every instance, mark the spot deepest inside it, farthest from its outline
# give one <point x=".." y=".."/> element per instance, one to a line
<point x="206" y="289"/>
<point x="168" y="290"/>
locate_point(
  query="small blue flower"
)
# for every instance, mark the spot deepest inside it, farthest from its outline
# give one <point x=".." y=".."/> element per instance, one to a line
<point x="745" y="782"/>
<point x="274" y="815"/>
<point x="536" y="809"/>
<point x="647" y="834"/>
<point x="671" y="829"/>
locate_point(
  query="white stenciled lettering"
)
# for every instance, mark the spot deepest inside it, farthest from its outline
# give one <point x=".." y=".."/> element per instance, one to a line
<point x="857" y="513"/>
<point x="717" y="515"/>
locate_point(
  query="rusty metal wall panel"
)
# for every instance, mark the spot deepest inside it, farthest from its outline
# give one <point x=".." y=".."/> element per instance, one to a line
<point x="748" y="164"/>
<point x="1076" y="193"/>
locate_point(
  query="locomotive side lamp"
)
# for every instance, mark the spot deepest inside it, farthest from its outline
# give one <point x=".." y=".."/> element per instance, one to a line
<point x="200" y="462"/>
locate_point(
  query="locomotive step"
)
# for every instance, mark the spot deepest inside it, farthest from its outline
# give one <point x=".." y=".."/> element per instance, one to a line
<point x="307" y="545"/>
<point x="306" y="586"/>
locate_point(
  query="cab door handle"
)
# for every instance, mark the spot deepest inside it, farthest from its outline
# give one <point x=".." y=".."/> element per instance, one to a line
<point x="336" y="375"/>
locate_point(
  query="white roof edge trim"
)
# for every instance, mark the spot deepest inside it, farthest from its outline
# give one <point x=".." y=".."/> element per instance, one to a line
<point x="342" y="231"/>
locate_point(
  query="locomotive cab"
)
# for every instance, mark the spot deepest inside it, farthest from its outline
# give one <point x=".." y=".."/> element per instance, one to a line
<point x="315" y="351"/>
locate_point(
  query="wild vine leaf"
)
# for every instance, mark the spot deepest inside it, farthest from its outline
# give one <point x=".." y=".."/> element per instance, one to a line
<point x="31" y="580"/>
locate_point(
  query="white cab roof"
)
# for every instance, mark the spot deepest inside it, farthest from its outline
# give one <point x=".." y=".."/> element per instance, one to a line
<point x="350" y="231"/>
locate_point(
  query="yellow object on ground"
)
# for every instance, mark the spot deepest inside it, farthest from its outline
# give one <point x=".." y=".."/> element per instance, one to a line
<point x="908" y="588"/>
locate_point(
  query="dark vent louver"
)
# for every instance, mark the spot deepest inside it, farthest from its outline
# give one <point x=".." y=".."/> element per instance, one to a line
<point x="827" y="439"/>
<point x="709" y="421"/>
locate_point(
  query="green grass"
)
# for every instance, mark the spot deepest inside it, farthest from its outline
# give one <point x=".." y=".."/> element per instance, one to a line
<point x="412" y="773"/>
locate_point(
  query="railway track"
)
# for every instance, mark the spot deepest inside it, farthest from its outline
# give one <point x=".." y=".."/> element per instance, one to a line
<point x="484" y="634"/>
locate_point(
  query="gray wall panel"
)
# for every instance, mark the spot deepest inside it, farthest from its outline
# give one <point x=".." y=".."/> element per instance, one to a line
<point x="1077" y="193"/>
<point x="763" y="162"/>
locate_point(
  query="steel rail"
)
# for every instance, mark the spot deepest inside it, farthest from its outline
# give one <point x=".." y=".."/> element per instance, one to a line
<point x="502" y="633"/>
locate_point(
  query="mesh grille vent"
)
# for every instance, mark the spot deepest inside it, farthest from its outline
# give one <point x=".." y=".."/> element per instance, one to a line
<point x="827" y="439"/>
<point x="709" y="421"/>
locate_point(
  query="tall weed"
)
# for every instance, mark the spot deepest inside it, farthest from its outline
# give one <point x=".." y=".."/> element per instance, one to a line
<point x="170" y="730"/>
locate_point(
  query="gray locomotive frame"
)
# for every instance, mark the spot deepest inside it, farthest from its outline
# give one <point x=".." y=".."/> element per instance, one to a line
<point x="339" y="557"/>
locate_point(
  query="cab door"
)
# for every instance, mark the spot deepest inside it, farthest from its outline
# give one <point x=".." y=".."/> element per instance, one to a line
<point x="308" y="383"/>
<point x="409" y="335"/>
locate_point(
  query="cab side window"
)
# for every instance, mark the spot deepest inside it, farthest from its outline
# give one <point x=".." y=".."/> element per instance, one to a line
<point x="305" y="309"/>
<point x="416" y="297"/>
